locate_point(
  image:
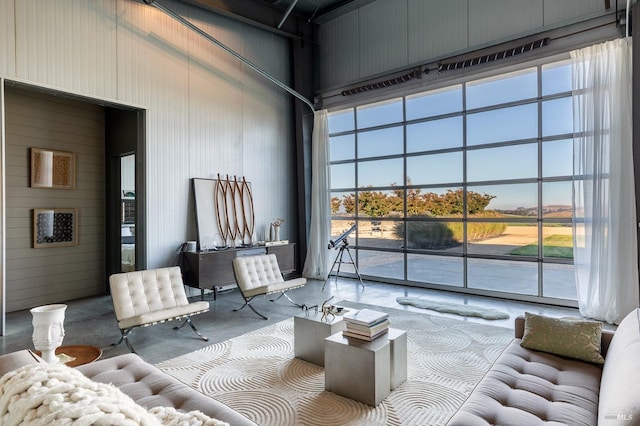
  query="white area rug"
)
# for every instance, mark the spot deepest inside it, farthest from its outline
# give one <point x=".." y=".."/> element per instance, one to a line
<point x="454" y="308"/>
<point x="257" y="375"/>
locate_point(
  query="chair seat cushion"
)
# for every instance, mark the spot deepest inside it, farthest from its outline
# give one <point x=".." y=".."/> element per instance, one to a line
<point x="276" y="287"/>
<point x="166" y="314"/>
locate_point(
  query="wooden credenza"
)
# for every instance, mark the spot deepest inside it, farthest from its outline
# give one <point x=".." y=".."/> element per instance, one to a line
<point x="212" y="269"/>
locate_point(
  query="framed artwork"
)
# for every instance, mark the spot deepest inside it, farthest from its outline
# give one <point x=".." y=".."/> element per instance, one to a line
<point x="55" y="227"/>
<point x="53" y="169"/>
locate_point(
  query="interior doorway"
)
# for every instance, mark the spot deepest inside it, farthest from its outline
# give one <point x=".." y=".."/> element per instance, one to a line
<point x="124" y="144"/>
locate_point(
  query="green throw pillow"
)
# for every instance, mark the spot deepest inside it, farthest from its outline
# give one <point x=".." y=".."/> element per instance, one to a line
<point x="570" y="338"/>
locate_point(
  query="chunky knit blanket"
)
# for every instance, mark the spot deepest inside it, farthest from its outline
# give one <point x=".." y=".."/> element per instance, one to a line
<point x="54" y="394"/>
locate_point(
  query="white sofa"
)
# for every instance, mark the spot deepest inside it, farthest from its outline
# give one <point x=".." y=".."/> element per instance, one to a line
<point x="145" y="384"/>
<point x="531" y="387"/>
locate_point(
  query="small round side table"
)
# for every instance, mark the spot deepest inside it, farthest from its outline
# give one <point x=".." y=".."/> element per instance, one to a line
<point x="77" y="354"/>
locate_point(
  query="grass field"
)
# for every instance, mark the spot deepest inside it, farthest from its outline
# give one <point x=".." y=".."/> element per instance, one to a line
<point x="553" y="246"/>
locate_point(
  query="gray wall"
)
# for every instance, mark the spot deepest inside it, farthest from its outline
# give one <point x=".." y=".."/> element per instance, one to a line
<point x="206" y="113"/>
<point x="387" y="35"/>
<point x="39" y="276"/>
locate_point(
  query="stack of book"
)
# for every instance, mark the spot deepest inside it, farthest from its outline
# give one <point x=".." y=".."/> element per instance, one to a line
<point x="366" y="324"/>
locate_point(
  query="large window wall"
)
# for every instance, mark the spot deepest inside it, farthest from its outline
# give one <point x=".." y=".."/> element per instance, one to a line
<point x="467" y="186"/>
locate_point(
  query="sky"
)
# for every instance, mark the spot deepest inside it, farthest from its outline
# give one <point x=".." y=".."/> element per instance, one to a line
<point x="505" y="123"/>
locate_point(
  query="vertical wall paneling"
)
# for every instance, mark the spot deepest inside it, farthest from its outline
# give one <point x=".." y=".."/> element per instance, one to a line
<point x="383" y="36"/>
<point x="338" y="49"/>
<point x="7" y="38"/>
<point x="153" y="70"/>
<point x="216" y="102"/>
<point x="559" y="11"/>
<point x="497" y="19"/>
<point x="239" y="121"/>
<point x="266" y="103"/>
<point x="436" y="28"/>
<point x="49" y="275"/>
<point x="67" y="44"/>
<point x="389" y="35"/>
<point x="208" y="101"/>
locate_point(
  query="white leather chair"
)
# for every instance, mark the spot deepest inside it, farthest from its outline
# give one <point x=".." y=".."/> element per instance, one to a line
<point x="144" y="298"/>
<point x="260" y="275"/>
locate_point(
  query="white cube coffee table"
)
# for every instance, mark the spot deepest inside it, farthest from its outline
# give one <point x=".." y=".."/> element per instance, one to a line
<point x="309" y="332"/>
<point x="358" y="369"/>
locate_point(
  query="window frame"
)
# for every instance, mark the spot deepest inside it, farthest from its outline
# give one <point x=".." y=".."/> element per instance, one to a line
<point x="540" y="180"/>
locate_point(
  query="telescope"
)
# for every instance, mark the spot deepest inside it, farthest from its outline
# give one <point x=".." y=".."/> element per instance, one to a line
<point x="341" y="238"/>
<point x="339" y="258"/>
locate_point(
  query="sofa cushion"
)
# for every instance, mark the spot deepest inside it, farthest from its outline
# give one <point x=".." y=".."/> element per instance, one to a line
<point x="150" y="387"/>
<point x="566" y="337"/>
<point x="620" y="387"/>
<point x="14" y="360"/>
<point x="44" y="393"/>
<point x="526" y="387"/>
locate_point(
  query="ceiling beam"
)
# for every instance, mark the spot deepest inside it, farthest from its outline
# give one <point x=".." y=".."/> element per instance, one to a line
<point x="340" y="9"/>
<point x="258" y="14"/>
<point x="286" y="14"/>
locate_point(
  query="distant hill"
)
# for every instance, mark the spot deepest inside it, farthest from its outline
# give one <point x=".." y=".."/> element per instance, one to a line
<point x="558" y="210"/>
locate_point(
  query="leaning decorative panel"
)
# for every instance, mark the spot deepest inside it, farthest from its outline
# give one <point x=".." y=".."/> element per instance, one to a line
<point x="224" y="213"/>
<point x="55" y="227"/>
<point x="53" y="169"/>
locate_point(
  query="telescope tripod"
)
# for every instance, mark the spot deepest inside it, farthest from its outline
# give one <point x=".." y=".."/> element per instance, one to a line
<point x="344" y="247"/>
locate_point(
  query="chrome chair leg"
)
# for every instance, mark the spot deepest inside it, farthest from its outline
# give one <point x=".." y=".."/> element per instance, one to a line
<point x="193" y="327"/>
<point x="287" y="297"/>
<point x="247" y="302"/>
<point x="124" y="337"/>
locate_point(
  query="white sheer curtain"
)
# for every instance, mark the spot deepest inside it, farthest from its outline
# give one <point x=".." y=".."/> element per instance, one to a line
<point x="316" y="264"/>
<point x="605" y="248"/>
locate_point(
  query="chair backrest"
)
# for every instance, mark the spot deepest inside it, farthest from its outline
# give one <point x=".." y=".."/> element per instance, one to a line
<point x="257" y="271"/>
<point x="140" y="292"/>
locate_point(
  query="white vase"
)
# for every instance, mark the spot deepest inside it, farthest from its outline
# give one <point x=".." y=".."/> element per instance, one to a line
<point x="48" y="330"/>
<point x="275" y="233"/>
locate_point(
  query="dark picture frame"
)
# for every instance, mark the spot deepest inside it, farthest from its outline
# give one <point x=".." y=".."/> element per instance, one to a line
<point x="53" y="169"/>
<point x="55" y="227"/>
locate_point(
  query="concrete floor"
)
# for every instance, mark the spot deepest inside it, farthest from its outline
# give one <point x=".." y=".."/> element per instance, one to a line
<point x="91" y="321"/>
